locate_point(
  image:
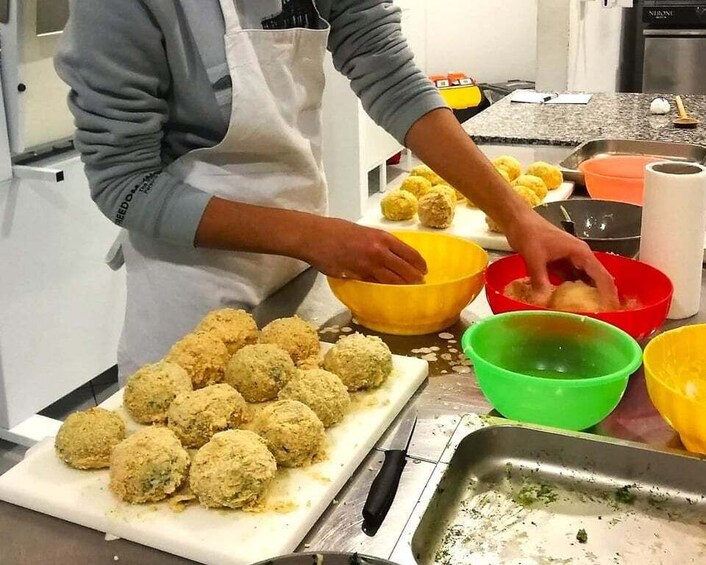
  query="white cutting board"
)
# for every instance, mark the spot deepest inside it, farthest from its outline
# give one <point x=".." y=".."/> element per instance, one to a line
<point x="41" y="482"/>
<point x="469" y="223"/>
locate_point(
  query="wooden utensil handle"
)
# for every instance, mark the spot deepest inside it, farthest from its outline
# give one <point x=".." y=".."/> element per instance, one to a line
<point x="680" y="107"/>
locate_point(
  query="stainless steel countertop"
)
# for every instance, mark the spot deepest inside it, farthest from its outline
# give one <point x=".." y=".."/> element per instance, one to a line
<point x="36" y="538"/>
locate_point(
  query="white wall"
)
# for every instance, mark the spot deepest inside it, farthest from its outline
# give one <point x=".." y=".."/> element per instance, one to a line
<point x="491" y="40"/>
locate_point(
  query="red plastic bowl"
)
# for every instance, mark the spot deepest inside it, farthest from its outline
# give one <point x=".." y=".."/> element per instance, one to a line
<point x="620" y="178"/>
<point x="634" y="279"/>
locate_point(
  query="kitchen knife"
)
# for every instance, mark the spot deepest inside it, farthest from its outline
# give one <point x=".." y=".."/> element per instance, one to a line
<point x="384" y="487"/>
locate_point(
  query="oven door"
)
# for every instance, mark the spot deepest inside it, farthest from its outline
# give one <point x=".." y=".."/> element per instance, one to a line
<point x="674" y="61"/>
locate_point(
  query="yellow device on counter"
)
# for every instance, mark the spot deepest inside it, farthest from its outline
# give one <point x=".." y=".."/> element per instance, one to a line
<point x="458" y="91"/>
<point x="461" y="97"/>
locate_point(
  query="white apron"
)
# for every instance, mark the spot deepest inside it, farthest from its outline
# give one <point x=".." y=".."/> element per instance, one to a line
<point x="270" y="156"/>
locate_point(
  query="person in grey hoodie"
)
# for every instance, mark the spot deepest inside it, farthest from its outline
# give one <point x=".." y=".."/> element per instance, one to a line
<point x="199" y="125"/>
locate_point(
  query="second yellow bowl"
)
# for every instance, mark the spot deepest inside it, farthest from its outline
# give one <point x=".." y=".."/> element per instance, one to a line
<point x="675" y="371"/>
<point x="454" y="280"/>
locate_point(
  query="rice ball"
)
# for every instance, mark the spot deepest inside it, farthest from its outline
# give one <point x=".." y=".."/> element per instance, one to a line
<point x="148" y="466"/>
<point x="295" y="336"/>
<point x="510" y="165"/>
<point x="233" y="470"/>
<point x="361" y="362"/>
<point x="202" y="355"/>
<point x="235" y="328"/>
<point x="195" y="416"/>
<point x="292" y="431"/>
<point x="535" y="184"/>
<point x="551" y="175"/>
<point x="321" y="391"/>
<point x="260" y="371"/>
<point x="398" y="206"/>
<point x="86" y="439"/>
<point x="416" y="186"/>
<point x="437" y="210"/>
<point x="426" y="172"/>
<point x="149" y="392"/>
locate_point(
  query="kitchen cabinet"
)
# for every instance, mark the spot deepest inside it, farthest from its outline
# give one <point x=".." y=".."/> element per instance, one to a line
<point x="61" y="306"/>
<point x="353" y="144"/>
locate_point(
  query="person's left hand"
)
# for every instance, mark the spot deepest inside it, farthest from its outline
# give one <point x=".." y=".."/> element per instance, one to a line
<point x="547" y="248"/>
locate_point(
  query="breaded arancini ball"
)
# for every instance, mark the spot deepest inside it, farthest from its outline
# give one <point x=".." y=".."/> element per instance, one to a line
<point x="510" y="165"/>
<point x="360" y="361"/>
<point x="293" y="432"/>
<point x="550" y="174"/>
<point x="195" y="416"/>
<point x="295" y="336"/>
<point x="149" y="392"/>
<point x="260" y="371"/>
<point x="235" y="328"/>
<point x="232" y="470"/>
<point x="529" y="197"/>
<point x="86" y="439"/>
<point x="416" y="186"/>
<point x="522" y="291"/>
<point x="445" y="189"/>
<point x="535" y="184"/>
<point x="399" y="205"/>
<point x="437" y="210"/>
<point x="202" y="355"/>
<point x="426" y="172"/>
<point x="321" y="391"/>
<point x="148" y="466"/>
<point x="577" y="296"/>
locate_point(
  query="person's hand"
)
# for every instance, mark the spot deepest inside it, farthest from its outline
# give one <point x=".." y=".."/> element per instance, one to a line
<point x="346" y="250"/>
<point x="547" y="248"/>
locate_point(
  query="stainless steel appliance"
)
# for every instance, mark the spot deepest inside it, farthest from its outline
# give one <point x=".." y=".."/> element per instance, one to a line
<point x="674" y="35"/>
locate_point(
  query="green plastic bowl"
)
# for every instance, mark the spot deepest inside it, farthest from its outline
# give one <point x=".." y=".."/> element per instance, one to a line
<point x="551" y="368"/>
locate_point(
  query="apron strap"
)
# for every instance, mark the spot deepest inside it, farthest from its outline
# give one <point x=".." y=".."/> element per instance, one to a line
<point x="230" y="16"/>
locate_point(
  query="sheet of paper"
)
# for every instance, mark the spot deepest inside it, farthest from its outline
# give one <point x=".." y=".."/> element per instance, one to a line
<point x="532" y="97"/>
<point x="570" y="99"/>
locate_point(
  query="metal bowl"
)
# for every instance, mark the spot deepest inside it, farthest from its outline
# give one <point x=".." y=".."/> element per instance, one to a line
<point x="326" y="558"/>
<point x="613" y="227"/>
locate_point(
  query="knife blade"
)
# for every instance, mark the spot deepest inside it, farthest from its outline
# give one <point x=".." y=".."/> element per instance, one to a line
<point x="384" y="488"/>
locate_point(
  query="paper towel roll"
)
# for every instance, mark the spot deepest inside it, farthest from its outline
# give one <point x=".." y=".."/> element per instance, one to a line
<point x="673" y="225"/>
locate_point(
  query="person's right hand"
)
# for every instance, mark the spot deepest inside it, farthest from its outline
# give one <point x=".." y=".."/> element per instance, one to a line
<point x="342" y="249"/>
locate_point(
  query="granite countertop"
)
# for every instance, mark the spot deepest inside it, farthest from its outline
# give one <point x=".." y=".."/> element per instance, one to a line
<point x="611" y="116"/>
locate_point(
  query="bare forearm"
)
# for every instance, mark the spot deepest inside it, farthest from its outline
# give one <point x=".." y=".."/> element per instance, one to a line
<point x="334" y="247"/>
<point x="236" y="226"/>
<point x="440" y="141"/>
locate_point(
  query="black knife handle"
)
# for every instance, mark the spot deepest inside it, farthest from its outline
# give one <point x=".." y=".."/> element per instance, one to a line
<point x="383" y="490"/>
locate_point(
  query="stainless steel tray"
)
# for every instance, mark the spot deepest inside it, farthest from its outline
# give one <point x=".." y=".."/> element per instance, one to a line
<point x="602" y="147"/>
<point x="515" y="494"/>
<point x="326" y="558"/>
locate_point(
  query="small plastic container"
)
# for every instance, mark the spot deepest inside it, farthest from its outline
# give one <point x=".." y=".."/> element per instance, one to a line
<point x="675" y="372"/>
<point x="635" y="280"/>
<point x="551" y="368"/>
<point x="620" y="178"/>
<point x="455" y="278"/>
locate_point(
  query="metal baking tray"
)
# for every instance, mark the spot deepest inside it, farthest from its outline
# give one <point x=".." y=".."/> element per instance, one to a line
<point x="326" y="558"/>
<point x="513" y="494"/>
<point x="603" y="147"/>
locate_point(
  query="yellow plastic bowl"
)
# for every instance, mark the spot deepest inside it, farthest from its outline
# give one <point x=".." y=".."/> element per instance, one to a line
<point x="455" y="278"/>
<point x="675" y="371"/>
